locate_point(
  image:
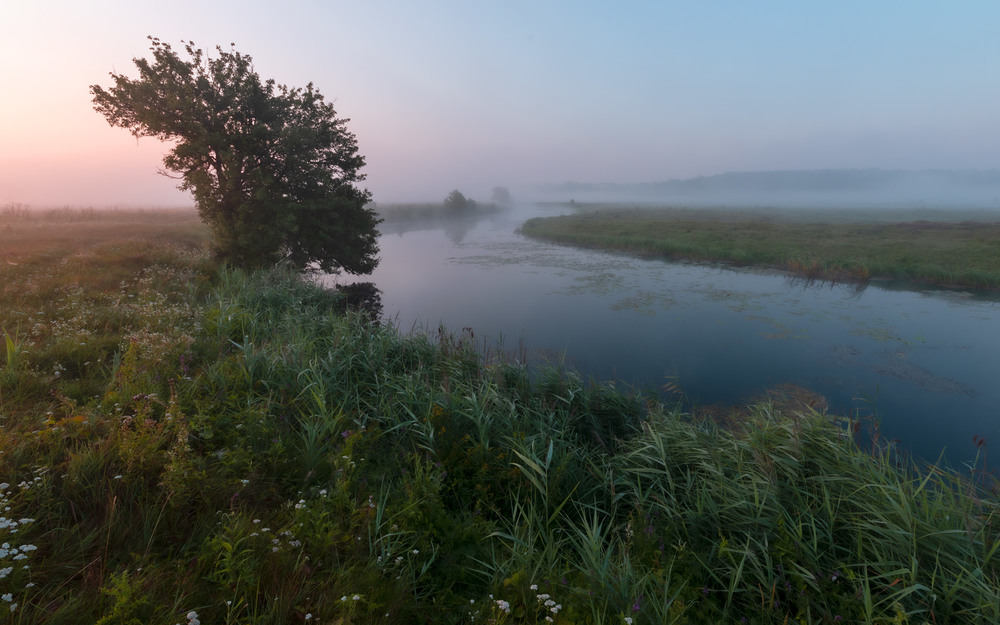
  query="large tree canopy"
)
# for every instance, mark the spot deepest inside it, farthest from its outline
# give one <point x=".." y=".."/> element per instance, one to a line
<point x="274" y="172"/>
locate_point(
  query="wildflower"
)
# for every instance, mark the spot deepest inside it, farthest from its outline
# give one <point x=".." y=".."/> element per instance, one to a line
<point x="356" y="597"/>
<point x="416" y="551"/>
<point x="628" y="620"/>
<point x="8" y="597"/>
<point x="533" y="587"/>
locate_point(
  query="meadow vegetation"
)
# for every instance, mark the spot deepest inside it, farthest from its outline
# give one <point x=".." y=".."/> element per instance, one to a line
<point x="184" y="442"/>
<point x="954" y="249"/>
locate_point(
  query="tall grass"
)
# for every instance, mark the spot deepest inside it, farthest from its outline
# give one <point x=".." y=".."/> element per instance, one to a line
<point x="239" y="445"/>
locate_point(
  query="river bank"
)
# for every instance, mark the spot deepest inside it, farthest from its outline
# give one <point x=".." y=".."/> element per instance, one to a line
<point x="178" y="437"/>
<point x="939" y="248"/>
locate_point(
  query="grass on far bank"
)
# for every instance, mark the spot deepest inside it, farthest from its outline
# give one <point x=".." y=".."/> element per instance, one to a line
<point x="186" y="438"/>
<point x="929" y="247"/>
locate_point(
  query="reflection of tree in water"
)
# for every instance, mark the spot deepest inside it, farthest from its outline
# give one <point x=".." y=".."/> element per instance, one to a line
<point x="455" y="223"/>
<point x="456" y="229"/>
<point x="855" y="288"/>
<point x="363" y="297"/>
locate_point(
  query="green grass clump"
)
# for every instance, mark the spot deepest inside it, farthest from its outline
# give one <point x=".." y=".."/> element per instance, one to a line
<point x="851" y="247"/>
<point x="238" y="445"/>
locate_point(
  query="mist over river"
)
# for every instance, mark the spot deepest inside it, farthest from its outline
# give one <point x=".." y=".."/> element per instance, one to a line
<point x="925" y="364"/>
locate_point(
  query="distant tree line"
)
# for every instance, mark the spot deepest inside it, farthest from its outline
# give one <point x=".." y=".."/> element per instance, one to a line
<point x="457" y="202"/>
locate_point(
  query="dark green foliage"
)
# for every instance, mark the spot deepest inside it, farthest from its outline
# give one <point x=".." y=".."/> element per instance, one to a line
<point x="273" y="170"/>
<point x="457" y="203"/>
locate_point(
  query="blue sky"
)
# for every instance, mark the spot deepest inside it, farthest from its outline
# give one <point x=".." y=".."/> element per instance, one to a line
<point x="471" y="95"/>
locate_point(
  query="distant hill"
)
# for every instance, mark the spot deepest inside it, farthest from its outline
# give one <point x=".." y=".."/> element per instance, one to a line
<point x="822" y="187"/>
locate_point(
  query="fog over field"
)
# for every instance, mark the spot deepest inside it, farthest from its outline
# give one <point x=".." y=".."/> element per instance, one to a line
<point x="650" y="100"/>
<point x="875" y="188"/>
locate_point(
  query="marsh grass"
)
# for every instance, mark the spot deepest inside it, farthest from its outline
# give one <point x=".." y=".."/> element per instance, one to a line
<point x="186" y="438"/>
<point x="925" y="247"/>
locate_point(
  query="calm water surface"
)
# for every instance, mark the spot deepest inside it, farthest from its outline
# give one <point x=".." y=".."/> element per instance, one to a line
<point x="928" y="362"/>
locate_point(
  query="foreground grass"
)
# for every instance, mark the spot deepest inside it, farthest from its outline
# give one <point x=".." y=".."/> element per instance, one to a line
<point x="237" y="445"/>
<point x="817" y="245"/>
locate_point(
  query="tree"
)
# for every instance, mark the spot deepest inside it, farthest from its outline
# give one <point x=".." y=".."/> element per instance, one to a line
<point x="273" y="170"/>
<point x="501" y="196"/>
<point x="456" y="202"/>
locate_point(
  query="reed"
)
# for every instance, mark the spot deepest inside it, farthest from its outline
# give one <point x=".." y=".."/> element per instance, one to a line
<point x="238" y="445"/>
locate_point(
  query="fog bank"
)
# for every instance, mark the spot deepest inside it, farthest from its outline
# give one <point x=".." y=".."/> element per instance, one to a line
<point x="940" y="189"/>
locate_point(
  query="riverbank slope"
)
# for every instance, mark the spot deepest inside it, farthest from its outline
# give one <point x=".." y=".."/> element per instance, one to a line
<point x="177" y="437"/>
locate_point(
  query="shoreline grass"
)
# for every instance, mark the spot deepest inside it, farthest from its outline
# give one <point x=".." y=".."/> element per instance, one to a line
<point x="844" y="246"/>
<point x="187" y="438"/>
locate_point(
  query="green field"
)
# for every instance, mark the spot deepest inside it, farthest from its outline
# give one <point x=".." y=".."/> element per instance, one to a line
<point x="177" y="436"/>
<point x="954" y="249"/>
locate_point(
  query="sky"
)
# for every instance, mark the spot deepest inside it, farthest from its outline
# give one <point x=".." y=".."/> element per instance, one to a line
<point x="471" y="95"/>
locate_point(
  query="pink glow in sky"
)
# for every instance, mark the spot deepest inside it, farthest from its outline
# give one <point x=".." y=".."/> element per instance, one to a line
<point x="447" y="95"/>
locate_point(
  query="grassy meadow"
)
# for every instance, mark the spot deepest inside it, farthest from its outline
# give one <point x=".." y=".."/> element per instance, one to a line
<point x="182" y="443"/>
<point x="955" y="249"/>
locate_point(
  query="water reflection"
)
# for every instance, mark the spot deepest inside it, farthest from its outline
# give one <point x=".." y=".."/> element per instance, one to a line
<point x="855" y="288"/>
<point x="363" y="297"/>
<point x="455" y="227"/>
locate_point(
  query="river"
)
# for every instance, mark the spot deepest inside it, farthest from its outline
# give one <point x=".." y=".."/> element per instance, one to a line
<point x="923" y="364"/>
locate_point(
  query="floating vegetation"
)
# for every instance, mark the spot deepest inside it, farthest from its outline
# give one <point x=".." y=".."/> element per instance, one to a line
<point x="896" y="366"/>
